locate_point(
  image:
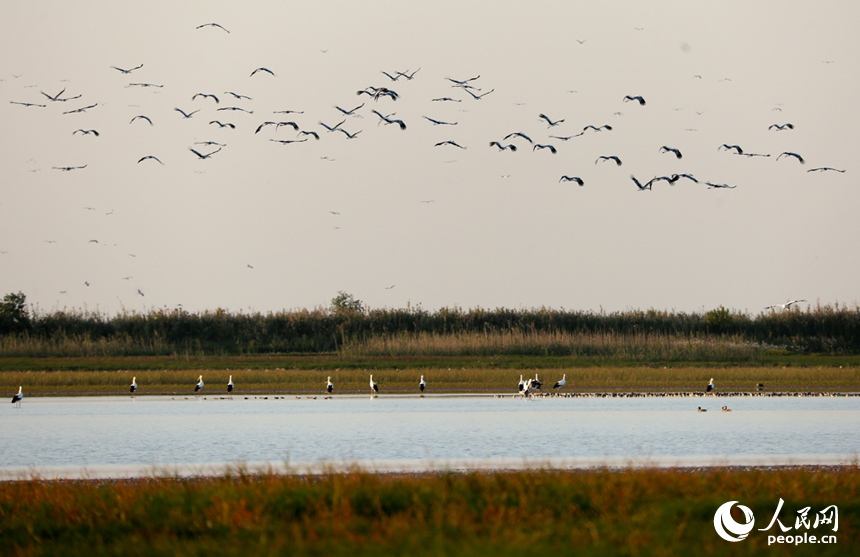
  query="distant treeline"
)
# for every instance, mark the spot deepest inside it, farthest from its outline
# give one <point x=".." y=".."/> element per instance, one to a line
<point x="822" y="329"/>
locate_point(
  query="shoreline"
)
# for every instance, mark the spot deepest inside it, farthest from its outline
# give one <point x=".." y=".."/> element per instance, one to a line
<point x="424" y="467"/>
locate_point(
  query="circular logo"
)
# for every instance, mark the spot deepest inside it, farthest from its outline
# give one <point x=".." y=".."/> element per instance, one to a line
<point x="725" y="525"/>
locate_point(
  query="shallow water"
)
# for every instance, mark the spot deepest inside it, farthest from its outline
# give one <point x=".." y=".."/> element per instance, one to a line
<point x="146" y="431"/>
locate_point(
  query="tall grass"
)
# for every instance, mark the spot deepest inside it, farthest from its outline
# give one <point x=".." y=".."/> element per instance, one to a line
<point x="819" y="329"/>
<point x="537" y="512"/>
<point x="645" y="347"/>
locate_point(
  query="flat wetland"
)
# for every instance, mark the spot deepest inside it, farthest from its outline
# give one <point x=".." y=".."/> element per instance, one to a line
<point x="301" y="374"/>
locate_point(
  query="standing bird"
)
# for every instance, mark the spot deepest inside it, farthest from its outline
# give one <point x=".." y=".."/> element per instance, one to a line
<point x="199" y="386"/>
<point x="521" y="384"/>
<point x="18" y="397"/>
<point x="636" y="98"/>
<point x="133" y="386"/>
<point x="710" y="386"/>
<point x="329" y="386"/>
<point x="561" y="383"/>
<point x="230" y="385"/>
<point x="374" y="388"/>
<point x="421" y="384"/>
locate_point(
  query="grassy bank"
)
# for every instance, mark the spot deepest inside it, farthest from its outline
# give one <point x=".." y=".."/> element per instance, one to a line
<point x="631" y="512"/>
<point x="458" y="379"/>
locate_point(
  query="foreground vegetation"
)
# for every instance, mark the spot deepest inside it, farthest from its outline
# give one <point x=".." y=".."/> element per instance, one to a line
<point x="537" y="512"/>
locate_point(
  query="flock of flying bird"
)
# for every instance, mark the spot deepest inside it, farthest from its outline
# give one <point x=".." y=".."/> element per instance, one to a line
<point x="213" y="108"/>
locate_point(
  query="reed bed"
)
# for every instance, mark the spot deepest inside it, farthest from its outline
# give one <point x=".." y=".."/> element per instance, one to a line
<point x="820" y="329"/>
<point x="641" y="347"/>
<point x="536" y="512"/>
<point x="439" y="380"/>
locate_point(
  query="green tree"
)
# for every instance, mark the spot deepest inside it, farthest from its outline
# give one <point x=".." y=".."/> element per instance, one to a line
<point x="345" y="302"/>
<point x="13" y="313"/>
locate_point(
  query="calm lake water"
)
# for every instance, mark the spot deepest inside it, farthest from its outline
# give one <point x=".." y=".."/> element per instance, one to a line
<point x="147" y="431"/>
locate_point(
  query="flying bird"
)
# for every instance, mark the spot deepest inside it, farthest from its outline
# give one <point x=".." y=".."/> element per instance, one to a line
<point x="223" y="125"/>
<point x="139" y="292"/>
<point x="439" y="122"/>
<point x="576" y="179"/>
<point x="646" y="186"/>
<point x="186" y="114"/>
<point x="234" y="108"/>
<point x="141" y="117"/>
<point x="349" y="135"/>
<point x="237" y="96"/>
<point x="727" y="147"/>
<point x="824" y="168"/>
<point x="596" y="128"/>
<point x="548" y="121"/>
<point x="128" y="71"/>
<point x="33" y="104"/>
<point x="635" y="98"/>
<point x="267" y="70"/>
<point x="786" y="305"/>
<point x="150" y="157"/>
<point x="212" y="25"/>
<point x="444" y="99"/>
<point x="56" y="97"/>
<point x="350" y="112"/>
<point x="501" y="147"/>
<point x="478" y="97"/>
<point x="201" y="155"/>
<point x="332" y="128"/>
<point x="790" y="154"/>
<point x="519" y="134"/>
<point x="68" y="168"/>
<point x="710" y="185"/>
<point x="79" y="110"/>
<point x="314" y="134"/>
<point x="206" y="96"/>
<point x="782" y="127"/>
<point x="552" y="149"/>
<point x="288" y="141"/>
<point x="86" y="132"/>
<point x="449" y="142"/>
<point x="666" y="149"/>
<point x="464" y="81"/>
<point x="610" y="157"/>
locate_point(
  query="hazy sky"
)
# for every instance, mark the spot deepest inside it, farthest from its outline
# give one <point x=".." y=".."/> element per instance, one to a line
<point x="267" y="226"/>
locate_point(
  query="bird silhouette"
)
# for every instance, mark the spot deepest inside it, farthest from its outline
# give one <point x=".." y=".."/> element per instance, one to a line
<point x="551" y="148"/>
<point x="449" y="142"/>
<point x="128" y="71"/>
<point x="201" y="155"/>
<point x="607" y="158"/>
<point x="211" y="25"/>
<point x="665" y="149"/>
<point x="206" y="96"/>
<point x="149" y="157"/>
<point x="141" y="117"/>
<point x="790" y="154"/>
<point x="186" y="114"/>
<point x="638" y="98"/>
<point x="501" y="147"/>
<point x="549" y="122"/>
<point x="576" y="179"/>
<point x="86" y="132"/>
<point x="267" y="70"/>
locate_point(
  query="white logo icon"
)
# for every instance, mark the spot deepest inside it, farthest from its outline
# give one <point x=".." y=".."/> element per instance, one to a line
<point x="723" y="521"/>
